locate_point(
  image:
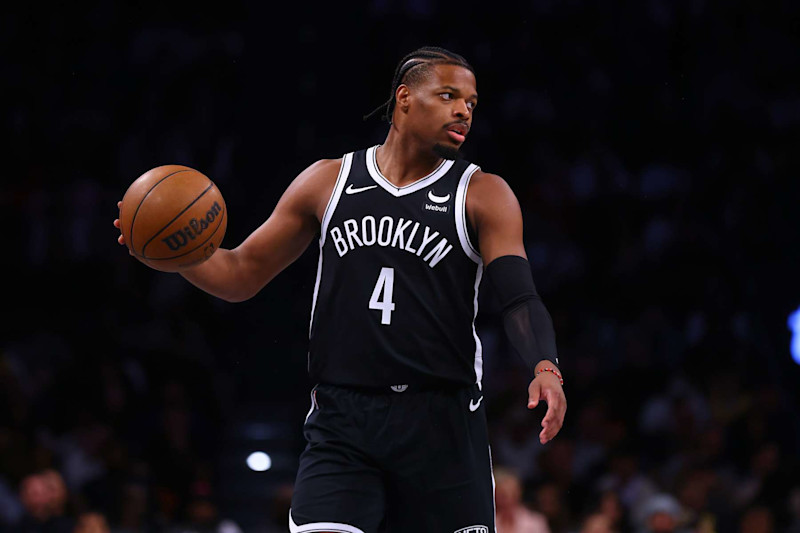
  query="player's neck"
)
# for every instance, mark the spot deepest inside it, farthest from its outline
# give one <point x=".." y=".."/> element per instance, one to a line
<point x="403" y="161"/>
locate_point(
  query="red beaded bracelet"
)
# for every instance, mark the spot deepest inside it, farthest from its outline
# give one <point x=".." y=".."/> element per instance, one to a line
<point x="554" y="371"/>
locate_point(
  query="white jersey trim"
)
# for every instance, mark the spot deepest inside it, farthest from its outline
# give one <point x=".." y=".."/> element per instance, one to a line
<point x="471" y="252"/>
<point x="461" y="214"/>
<point x="478" y="345"/>
<point x="494" y="489"/>
<point x="333" y="527"/>
<point x="333" y="201"/>
<point x="388" y="186"/>
<point x="314" y="405"/>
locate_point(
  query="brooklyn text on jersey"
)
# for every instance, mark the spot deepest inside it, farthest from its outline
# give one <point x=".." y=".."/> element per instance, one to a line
<point x="388" y="232"/>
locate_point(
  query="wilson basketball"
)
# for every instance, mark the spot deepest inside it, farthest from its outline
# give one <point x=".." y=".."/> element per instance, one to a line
<point x="173" y="217"/>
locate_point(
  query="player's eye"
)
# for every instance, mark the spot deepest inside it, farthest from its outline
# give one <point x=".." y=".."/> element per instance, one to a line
<point x="471" y="105"/>
<point x="446" y="96"/>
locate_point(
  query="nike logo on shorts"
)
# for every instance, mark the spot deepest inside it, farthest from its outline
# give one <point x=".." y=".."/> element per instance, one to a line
<point x="473" y="405"/>
<point x="351" y="190"/>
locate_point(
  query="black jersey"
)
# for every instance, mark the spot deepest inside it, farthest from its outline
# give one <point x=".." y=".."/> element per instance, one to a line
<point x="396" y="293"/>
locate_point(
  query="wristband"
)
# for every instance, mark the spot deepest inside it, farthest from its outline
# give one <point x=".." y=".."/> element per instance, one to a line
<point x="554" y="371"/>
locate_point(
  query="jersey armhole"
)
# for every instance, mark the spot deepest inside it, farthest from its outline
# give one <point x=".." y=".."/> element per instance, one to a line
<point x="472" y="237"/>
<point x="465" y="234"/>
<point x="333" y="201"/>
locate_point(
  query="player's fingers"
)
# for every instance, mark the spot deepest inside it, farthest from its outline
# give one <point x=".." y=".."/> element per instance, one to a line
<point x="550" y="428"/>
<point x="544" y="436"/>
<point x="534" y="394"/>
<point x="550" y="415"/>
<point x="549" y="432"/>
<point x="554" y="418"/>
<point x="549" y="419"/>
<point x="552" y="422"/>
<point x="120" y="239"/>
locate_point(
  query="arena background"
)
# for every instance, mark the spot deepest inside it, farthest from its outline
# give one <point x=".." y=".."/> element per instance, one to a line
<point x="651" y="144"/>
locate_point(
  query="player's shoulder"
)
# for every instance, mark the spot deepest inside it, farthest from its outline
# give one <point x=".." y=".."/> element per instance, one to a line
<point x="482" y="183"/>
<point x="489" y="196"/>
<point x="319" y="176"/>
<point x="322" y="169"/>
<point x="313" y="186"/>
<point x="324" y="172"/>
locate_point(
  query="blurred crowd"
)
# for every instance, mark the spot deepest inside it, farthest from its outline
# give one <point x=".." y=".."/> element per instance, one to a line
<point x="648" y="145"/>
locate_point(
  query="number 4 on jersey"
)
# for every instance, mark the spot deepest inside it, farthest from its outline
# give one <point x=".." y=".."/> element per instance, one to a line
<point x="381" y="299"/>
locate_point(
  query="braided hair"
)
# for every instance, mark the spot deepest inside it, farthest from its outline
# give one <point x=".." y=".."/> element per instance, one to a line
<point x="413" y="68"/>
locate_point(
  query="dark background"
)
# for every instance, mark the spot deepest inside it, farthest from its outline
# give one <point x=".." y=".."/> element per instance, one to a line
<point x="652" y="147"/>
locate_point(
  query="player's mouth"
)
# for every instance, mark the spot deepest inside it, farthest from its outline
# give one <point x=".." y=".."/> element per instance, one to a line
<point x="458" y="131"/>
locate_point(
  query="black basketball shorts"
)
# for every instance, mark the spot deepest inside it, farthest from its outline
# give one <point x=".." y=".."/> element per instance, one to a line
<point x="396" y="462"/>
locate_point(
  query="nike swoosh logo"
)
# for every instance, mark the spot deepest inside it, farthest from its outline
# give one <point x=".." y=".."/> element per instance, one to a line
<point x="351" y="190"/>
<point x="473" y="405"/>
<point x="438" y="199"/>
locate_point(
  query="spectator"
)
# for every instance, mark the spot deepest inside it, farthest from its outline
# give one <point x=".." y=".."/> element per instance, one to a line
<point x="551" y="503"/>
<point x="661" y="513"/>
<point x="757" y="519"/>
<point x="203" y="517"/>
<point x="92" y="522"/>
<point x="626" y="478"/>
<point x="512" y="515"/>
<point x="596" y="523"/>
<point x="611" y="508"/>
<point x="44" y="496"/>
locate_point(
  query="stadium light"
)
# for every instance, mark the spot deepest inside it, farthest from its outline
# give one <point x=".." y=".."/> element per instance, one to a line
<point x="259" y="461"/>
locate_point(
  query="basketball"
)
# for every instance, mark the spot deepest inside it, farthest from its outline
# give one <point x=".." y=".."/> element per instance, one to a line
<point x="173" y="217"/>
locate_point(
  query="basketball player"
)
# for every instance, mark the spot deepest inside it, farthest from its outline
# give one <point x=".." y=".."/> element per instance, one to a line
<point x="397" y="434"/>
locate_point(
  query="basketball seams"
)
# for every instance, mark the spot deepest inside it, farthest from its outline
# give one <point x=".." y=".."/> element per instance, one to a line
<point x="195" y="229"/>
<point x="133" y="218"/>
<point x="176" y="217"/>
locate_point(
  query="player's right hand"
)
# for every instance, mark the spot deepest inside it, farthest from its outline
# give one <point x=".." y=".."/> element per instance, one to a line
<point x="547" y="387"/>
<point x="120" y="239"/>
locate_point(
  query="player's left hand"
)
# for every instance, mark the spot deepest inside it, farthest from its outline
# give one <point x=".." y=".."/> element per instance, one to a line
<point x="120" y="239"/>
<point x="547" y="387"/>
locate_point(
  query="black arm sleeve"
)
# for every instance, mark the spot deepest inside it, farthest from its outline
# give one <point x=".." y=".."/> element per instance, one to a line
<point x="525" y="318"/>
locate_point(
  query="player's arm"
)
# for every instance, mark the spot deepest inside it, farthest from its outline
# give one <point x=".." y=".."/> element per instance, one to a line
<point x="496" y="216"/>
<point x="238" y="274"/>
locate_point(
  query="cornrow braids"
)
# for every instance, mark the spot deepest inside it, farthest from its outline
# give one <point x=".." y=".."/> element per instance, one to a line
<point x="407" y="69"/>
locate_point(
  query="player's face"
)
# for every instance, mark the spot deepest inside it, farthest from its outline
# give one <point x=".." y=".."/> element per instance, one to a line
<point x="442" y="108"/>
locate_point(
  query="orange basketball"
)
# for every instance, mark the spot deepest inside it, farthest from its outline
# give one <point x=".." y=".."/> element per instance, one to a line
<point x="173" y="217"/>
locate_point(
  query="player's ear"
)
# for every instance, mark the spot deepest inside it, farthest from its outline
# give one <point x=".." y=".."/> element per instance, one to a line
<point x="402" y="96"/>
